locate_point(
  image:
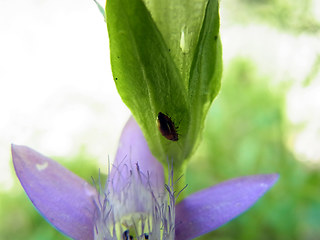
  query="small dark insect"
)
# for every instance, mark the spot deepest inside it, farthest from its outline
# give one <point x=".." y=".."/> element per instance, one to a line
<point x="166" y="127"/>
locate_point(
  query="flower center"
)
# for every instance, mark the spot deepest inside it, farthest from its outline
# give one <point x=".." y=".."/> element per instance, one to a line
<point x="135" y="212"/>
<point x="136" y="225"/>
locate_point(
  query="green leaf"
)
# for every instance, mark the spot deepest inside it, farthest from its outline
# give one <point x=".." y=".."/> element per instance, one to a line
<point x="146" y="76"/>
<point x="175" y="70"/>
<point x="205" y="74"/>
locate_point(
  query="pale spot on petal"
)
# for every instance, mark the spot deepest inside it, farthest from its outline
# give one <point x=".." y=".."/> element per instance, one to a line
<point x="41" y="167"/>
<point x="89" y="190"/>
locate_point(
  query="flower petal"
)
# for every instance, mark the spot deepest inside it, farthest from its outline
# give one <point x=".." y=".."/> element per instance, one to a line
<point x="63" y="198"/>
<point x="133" y="149"/>
<point x="208" y="209"/>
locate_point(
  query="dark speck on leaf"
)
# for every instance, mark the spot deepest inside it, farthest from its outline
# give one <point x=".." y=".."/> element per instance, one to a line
<point x="215" y="37"/>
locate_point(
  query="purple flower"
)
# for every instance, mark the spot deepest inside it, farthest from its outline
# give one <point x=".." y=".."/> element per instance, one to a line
<point x="135" y="202"/>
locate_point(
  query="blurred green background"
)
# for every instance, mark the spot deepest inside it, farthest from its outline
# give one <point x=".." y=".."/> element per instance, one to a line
<point x="248" y="136"/>
<point x="265" y="120"/>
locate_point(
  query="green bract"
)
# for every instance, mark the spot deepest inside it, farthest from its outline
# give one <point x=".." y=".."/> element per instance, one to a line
<point x="166" y="57"/>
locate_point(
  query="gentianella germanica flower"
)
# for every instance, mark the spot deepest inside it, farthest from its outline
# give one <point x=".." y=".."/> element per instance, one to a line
<point x="135" y="203"/>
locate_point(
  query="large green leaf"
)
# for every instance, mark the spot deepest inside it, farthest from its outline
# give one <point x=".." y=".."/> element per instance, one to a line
<point x="145" y="75"/>
<point x="175" y="70"/>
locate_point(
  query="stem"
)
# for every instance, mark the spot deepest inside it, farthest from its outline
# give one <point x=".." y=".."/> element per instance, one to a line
<point x="176" y="179"/>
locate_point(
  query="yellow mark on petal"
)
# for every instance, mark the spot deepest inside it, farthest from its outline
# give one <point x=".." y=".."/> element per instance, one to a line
<point x="43" y="166"/>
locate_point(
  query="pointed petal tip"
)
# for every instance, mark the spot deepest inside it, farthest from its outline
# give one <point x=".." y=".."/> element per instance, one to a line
<point x="17" y="151"/>
<point x="274" y="177"/>
<point x="268" y="179"/>
<point x="14" y="149"/>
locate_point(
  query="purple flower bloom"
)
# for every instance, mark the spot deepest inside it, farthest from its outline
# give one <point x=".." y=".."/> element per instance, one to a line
<point x="135" y="203"/>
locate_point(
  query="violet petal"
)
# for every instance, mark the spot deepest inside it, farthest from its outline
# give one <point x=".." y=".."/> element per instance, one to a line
<point x="210" y="208"/>
<point x="133" y="149"/>
<point x="63" y="198"/>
